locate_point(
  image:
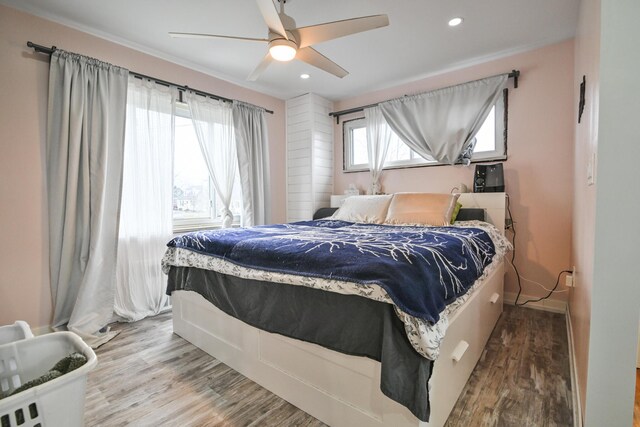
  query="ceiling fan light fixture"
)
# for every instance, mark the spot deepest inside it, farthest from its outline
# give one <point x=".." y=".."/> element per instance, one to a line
<point x="286" y="41"/>
<point x="282" y="50"/>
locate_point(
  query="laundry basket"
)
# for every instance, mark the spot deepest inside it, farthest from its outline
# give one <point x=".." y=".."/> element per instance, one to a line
<point x="59" y="402"/>
<point x="18" y="331"/>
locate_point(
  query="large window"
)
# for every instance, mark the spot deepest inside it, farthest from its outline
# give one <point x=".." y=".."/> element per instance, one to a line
<point x="195" y="203"/>
<point x="490" y="144"/>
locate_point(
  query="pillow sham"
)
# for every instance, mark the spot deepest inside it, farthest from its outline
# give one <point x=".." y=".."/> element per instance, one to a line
<point x="364" y="209"/>
<point x="421" y="208"/>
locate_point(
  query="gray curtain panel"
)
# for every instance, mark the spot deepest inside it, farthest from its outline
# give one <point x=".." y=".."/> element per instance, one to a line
<point x="253" y="162"/>
<point x="442" y="124"/>
<point x="84" y="158"/>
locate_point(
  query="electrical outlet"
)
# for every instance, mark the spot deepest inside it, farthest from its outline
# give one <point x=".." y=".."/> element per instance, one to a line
<point x="568" y="281"/>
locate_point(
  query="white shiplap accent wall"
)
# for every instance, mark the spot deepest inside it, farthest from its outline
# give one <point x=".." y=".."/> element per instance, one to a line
<point x="309" y="156"/>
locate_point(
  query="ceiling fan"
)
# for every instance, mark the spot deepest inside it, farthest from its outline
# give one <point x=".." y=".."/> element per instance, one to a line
<point x="286" y="42"/>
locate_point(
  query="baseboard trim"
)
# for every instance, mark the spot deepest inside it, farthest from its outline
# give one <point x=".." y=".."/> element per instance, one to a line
<point x="573" y="367"/>
<point x="551" y="305"/>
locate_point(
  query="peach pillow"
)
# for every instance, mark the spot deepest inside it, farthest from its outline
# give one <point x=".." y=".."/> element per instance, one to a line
<point x="421" y="208"/>
<point x="367" y="209"/>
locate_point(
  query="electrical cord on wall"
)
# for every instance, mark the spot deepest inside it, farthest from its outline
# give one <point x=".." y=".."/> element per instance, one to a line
<point x="511" y="226"/>
<point x="546" y="296"/>
<point x="537" y="283"/>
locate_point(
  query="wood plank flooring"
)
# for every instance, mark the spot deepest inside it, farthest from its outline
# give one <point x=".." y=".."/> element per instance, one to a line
<point x="523" y="377"/>
<point x="147" y="376"/>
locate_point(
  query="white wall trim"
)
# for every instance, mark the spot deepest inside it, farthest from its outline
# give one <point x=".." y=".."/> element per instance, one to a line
<point x="551" y="305"/>
<point x="113" y="38"/>
<point x="461" y="65"/>
<point x="257" y="87"/>
<point x="573" y="367"/>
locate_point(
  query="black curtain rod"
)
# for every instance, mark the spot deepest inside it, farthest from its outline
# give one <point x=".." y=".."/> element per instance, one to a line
<point x="49" y="50"/>
<point x="514" y="74"/>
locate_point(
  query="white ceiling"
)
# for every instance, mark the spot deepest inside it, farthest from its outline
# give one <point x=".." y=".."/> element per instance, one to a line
<point x="418" y="41"/>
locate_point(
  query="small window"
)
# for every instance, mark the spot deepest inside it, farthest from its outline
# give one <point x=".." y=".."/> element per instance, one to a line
<point x="490" y="144"/>
<point x="356" y="155"/>
<point x="195" y="202"/>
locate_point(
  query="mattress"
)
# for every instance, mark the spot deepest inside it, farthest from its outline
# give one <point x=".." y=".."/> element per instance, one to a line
<point x="290" y="254"/>
<point x="248" y="273"/>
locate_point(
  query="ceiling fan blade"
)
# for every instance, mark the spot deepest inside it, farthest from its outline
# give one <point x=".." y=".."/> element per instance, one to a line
<point x="313" y="34"/>
<point x="315" y="58"/>
<point x="210" y="36"/>
<point x="271" y="17"/>
<point x="260" y="68"/>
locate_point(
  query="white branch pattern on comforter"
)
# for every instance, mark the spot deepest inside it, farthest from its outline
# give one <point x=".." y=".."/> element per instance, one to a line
<point x="424" y="336"/>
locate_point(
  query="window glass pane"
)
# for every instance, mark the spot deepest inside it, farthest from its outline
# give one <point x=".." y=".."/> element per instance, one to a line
<point x="486" y="136"/>
<point x="359" y="144"/>
<point x="398" y="150"/>
<point x="191" y="185"/>
<point x="399" y="154"/>
<point x="417" y="158"/>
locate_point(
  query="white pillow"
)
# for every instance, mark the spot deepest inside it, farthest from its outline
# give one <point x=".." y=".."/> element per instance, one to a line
<point x="364" y="209"/>
<point x="421" y="208"/>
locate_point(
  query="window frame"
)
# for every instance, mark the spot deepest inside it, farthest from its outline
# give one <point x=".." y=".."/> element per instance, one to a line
<point x="181" y="225"/>
<point x="498" y="154"/>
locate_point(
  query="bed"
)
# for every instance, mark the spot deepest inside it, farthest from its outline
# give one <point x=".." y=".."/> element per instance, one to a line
<point x="340" y="388"/>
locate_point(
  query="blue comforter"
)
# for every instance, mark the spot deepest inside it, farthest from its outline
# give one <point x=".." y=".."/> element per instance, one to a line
<point x="422" y="269"/>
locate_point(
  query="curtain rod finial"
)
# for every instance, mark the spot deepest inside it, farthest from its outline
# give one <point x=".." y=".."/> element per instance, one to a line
<point x="516" y="75"/>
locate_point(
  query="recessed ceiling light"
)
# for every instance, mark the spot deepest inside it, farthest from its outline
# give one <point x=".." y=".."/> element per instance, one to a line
<point x="304" y="76"/>
<point x="455" y="22"/>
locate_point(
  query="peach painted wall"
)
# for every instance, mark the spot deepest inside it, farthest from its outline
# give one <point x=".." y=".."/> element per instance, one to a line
<point x="587" y="62"/>
<point x="539" y="169"/>
<point x="24" y="282"/>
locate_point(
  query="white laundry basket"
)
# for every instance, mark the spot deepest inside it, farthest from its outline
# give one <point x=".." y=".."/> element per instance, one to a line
<point x="59" y="402"/>
<point x="18" y="331"/>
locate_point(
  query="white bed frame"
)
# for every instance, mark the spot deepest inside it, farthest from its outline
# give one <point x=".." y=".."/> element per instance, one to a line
<point x="339" y="389"/>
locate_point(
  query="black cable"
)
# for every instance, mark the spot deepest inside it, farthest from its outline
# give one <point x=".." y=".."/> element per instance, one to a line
<point x="550" y="292"/>
<point x="513" y="253"/>
<point x="513" y="257"/>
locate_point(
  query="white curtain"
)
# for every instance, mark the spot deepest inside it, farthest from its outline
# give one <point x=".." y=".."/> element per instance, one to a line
<point x="213" y="124"/>
<point x="253" y="162"/>
<point x="378" y="137"/>
<point x="85" y="139"/>
<point x="442" y="124"/>
<point x="146" y="215"/>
